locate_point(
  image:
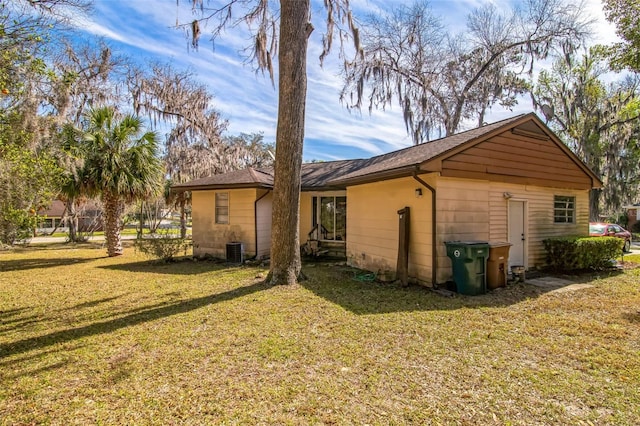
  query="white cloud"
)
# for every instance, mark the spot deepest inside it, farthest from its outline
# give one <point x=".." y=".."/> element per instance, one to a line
<point x="145" y="29"/>
<point x="99" y="30"/>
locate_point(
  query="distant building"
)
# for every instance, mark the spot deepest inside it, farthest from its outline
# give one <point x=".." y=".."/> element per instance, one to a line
<point x="633" y="215"/>
<point x="89" y="217"/>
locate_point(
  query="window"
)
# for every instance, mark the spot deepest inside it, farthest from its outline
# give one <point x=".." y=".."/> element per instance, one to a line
<point x="222" y="207"/>
<point x="564" y="209"/>
<point x="331" y="213"/>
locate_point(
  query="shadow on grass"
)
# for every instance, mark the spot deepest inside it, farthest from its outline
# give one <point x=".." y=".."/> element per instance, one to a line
<point x="632" y="317"/>
<point x="18" y="323"/>
<point x="149" y="314"/>
<point x="93" y="303"/>
<point x="16" y="362"/>
<point x="12" y="312"/>
<point x="338" y="286"/>
<point x="35" y="371"/>
<point x="181" y="266"/>
<point x="26" y="264"/>
<point x="14" y="319"/>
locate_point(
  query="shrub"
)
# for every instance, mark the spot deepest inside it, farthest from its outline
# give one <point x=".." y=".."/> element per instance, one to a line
<point x="575" y="253"/>
<point x="16" y="225"/>
<point x="163" y="245"/>
<point x="621" y="219"/>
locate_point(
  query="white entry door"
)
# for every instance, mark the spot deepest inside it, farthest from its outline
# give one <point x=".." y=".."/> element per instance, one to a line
<point x="517" y="233"/>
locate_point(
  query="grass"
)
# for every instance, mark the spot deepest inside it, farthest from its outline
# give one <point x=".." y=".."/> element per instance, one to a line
<point x="86" y="339"/>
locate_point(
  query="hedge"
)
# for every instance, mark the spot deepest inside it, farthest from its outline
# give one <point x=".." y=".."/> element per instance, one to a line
<point x="576" y="253"/>
<point x="163" y="246"/>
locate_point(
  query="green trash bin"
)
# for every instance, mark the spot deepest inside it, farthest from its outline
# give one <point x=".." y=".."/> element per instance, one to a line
<point x="469" y="263"/>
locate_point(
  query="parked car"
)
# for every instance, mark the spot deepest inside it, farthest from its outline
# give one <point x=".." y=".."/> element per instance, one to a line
<point x="599" y="229"/>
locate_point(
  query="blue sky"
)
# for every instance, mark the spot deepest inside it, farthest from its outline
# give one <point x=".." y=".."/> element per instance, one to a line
<point x="142" y="30"/>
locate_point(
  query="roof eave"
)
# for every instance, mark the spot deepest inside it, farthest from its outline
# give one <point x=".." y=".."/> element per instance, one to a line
<point x="320" y="188"/>
<point x="210" y="187"/>
<point x="400" y="172"/>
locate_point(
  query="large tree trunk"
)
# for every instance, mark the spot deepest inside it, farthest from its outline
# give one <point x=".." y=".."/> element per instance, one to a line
<point x="183" y="215"/>
<point x="594" y="205"/>
<point x="113" y="209"/>
<point x="295" y="29"/>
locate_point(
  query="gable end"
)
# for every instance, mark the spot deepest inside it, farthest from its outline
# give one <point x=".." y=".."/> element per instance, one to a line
<point x="523" y="155"/>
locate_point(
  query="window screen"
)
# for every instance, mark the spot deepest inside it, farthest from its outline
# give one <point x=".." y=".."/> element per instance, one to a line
<point x="222" y="207"/>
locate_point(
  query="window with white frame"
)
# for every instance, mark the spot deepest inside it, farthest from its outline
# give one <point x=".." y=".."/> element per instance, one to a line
<point x="564" y="209"/>
<point x="222" y="208"/>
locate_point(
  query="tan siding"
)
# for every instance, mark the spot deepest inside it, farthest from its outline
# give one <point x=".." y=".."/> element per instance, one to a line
<point x="462" y="215"/>
<point x="211" y="238"/>
<point x="518" y="159"/>
<point x="498" y="210"/>
<point x="263" y="222"/>
<point x="541" y="225"/>
<point x="462" y="204"/>
<point x="305" y="216"/>
<point x="373" y="223"/>
<point x="203" y="219"/>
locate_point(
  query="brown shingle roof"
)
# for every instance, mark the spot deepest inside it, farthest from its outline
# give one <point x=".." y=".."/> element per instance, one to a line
<point x="246" y="178"/>
<point x="56" y="209"/>
<point x="314" y="176"/>
<point x="404" y="162"/>
<point x="406" y="159"/>
<point x="320" y="175"/>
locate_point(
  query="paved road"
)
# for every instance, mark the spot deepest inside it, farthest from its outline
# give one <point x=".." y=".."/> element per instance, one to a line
<point x="42" y="240"/>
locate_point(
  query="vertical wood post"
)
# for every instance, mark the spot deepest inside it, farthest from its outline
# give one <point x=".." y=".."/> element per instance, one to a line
<point x="402" y="268"/>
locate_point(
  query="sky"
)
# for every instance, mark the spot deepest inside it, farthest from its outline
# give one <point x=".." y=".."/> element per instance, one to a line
<point x="144" y="30"/>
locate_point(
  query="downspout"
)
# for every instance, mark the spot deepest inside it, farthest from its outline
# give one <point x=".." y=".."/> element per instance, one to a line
<point x="434" y="239"/>
<point x="255" y="220"/>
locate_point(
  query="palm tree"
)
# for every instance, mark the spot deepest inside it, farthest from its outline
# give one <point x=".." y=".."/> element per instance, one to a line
<point x="121" y="165"/>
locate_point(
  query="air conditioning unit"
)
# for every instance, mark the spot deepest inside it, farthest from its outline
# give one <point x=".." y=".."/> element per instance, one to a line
<point x="235" y="252"/>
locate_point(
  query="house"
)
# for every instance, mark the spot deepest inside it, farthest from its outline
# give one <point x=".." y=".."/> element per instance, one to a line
<point x="52" y="217"/>
<point x="511" y="181"/>
<point x="55" y="216"/>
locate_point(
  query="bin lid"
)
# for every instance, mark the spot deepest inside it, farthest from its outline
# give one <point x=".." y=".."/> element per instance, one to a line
<point x="466" y="243"/>
<point x="499" y="244"/>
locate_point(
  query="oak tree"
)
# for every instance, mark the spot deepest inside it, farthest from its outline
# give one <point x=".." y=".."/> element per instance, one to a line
<point x="598" y="121"/>
<point x="281" y="28"/>
<point x="625" y="15"/>
<point x="439" y="79"/>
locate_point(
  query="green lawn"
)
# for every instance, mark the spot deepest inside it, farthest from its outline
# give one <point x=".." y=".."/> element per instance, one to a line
<point x="86" y="339"/>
